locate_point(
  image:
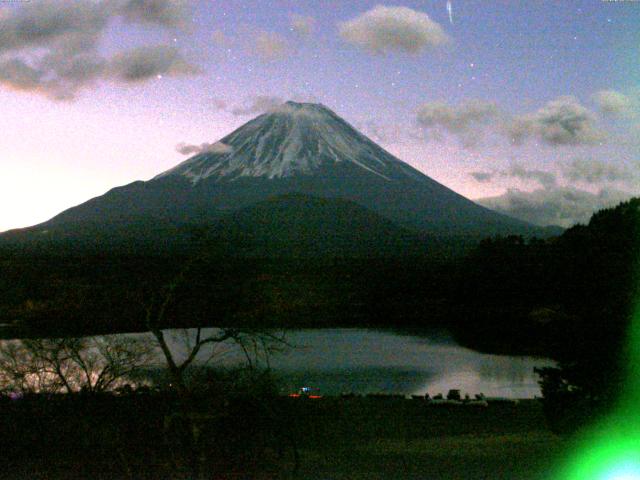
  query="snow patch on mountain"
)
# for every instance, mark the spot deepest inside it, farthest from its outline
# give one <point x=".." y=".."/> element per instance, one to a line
<point x="292" y="139"/>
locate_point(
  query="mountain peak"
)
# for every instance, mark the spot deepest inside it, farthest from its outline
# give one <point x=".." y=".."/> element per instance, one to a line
<point x="295" y="109"/>
<point x="293" y="104"/>
<point x="305" y="107"/>
<point x="293" y="139"/>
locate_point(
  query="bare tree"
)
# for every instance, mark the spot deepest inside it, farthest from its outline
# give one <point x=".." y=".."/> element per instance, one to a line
<point x="255" y="344"/>
<point x="67" y="365"/>
<point x="183" y="348"/>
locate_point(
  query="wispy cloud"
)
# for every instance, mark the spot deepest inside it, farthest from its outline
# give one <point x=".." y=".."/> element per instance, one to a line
<point x="302" y="25"/>
<point x="458" y="118"/>
<point x="483" y="176"/>
<point x="142" y="63"/>
<point x="271" y="46"/>
<point x="218" y="37"/>
<point x="615" y="104"/>
<point x="518" y="171"/>
<point x="190" y="149"/>
<point x="543" y="177"/>
<point x="595" y="171"/>
<point x="467" y="121"/>
<point x="564" y="206"/>
<point x="169" y="13"/>
<point x="257" y="104"/>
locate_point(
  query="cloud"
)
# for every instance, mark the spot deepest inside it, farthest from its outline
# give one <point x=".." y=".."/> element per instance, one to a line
<point x="74" y="57"/>
<point x="142" y="63"/>
<point x="57" y="78"/>
<point x="304" y="97"/>
<point x="218" y="37"/>
<point x="384" y="29"/>
<point x="271" y="46"/>
<point x="38" y="24"/>
<point x="77" y="69"/>
<point x="457" y="119"/>
<point x="468" y="121"/>
<point x="302" y="25"/>
<point x="595" y="171"/>
<point x="169" y="13"/>
<point x="382" y="133"/>
<point x="51" y="47"/>
<point x="219" y="103"/>
<point x="613" y="103"/>
<point x="563" y="121"/>
<point x="217" y="147"/>
<point x="483" y="176"/>
<point x="18" y="75"/>
<point x="544" y="178"/>
<point x="564" y="206"/>
<point x="258" y="104"/>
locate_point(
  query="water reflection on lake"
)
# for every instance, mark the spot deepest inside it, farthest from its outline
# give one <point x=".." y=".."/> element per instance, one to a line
<point x="366" y="361"/>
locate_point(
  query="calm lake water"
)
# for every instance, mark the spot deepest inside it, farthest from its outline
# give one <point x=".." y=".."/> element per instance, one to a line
<point x="368" y="361"/>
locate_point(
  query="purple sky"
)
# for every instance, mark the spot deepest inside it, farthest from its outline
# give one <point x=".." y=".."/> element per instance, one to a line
<point x="536" y="104"/>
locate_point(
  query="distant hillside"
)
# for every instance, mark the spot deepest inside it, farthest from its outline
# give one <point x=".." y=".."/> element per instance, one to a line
<point x="306" y="226"/>
<point x="570" y="296"/>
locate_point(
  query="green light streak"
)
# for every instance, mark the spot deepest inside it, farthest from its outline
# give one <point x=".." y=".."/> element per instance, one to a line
<point x="607" y="454"/>
<point x="611" y="449"/>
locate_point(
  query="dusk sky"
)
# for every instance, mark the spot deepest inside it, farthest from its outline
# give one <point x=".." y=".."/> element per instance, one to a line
<point x="535" y="104"/>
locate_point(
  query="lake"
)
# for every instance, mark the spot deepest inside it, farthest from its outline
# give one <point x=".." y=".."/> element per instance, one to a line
<point x="367" y="361"/>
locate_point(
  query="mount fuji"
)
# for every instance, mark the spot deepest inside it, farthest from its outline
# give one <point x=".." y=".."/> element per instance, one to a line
<point x="298" y="149"/>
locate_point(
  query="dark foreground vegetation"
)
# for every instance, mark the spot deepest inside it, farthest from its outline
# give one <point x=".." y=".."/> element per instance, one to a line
<point x="242" y="435"/>
<point x="145" y="435"/>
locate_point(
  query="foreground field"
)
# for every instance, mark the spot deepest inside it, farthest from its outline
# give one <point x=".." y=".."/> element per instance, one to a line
<point x="356" y="438"/>
<point x="515" y="456"/>
<point x="394" y="439"/>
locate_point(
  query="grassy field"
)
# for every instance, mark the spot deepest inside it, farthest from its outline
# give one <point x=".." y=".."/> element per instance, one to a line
<point x="514" y="456"/>
<point x="392" y="439"/>
<point x="356" y="438"/>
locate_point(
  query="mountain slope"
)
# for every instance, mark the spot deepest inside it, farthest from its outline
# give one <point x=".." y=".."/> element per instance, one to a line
<point x="305" y="226"/>
<point x="298" y="148"/>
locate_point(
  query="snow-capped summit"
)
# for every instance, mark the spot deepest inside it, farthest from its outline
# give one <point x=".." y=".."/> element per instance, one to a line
<point x="290" y="140"/>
